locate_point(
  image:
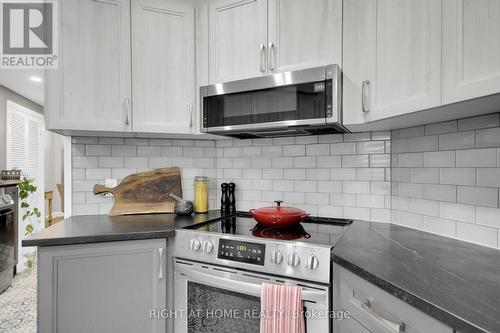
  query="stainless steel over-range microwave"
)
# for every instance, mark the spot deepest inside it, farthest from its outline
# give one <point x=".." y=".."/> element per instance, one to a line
<point x="301" y="102"/>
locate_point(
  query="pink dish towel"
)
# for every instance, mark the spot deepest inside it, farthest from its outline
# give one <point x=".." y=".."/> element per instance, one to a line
<point x="281" y="309"/>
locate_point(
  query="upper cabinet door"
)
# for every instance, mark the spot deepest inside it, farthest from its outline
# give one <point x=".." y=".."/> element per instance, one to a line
<point x="91" y="89"/>
<point x="471" y="49"/>
<point x="392" y="58"/>
<point x="304" y="34"/>
<point x="163" y="66"/>
<point x="237" y="40"/>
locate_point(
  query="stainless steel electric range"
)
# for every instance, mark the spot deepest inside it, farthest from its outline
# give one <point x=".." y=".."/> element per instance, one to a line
<point x="219" y="268"/>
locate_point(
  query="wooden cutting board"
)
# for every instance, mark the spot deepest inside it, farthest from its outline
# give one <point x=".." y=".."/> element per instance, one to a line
<point x="145" y="192"/>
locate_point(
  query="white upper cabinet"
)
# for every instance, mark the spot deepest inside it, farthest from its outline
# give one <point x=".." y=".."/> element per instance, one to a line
<point x="237" y="40"/>
<point x="163" y="66"/>
<point x="250" y="38"/>
<point x="91" y="89"/>
<point x="304" y="34"/>
<point x="391" y="58"/>
<point x="471" y="49"/>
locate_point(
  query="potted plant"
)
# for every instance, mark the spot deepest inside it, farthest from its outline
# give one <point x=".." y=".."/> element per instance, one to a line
<point x="26" y="189"/>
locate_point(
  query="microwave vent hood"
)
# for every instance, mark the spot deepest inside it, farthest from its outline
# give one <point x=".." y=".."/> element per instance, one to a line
<point x="295" y="103"/>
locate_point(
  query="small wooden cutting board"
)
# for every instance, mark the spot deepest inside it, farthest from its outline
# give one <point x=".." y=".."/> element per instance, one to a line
<point x="145" y="192"/>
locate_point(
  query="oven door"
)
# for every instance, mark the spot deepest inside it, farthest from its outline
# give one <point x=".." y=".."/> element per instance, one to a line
<point x="309" y="97"/>
<point x="219" y="299"/>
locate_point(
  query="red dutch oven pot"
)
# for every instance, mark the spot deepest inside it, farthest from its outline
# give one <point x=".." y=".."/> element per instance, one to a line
<point x="278" y="216"/>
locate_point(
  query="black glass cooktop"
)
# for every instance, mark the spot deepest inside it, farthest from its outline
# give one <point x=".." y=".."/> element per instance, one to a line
<point x="324" y="231"/>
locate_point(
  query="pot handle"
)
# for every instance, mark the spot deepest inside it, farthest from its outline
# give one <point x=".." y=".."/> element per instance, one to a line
<point x="278" y="202"/>
<point x="303" y="216"/>
<point x="252" y="211"/>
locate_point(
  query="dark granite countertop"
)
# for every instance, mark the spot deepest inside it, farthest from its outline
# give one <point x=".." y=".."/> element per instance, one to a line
<point x="9" y="183"/>
<point x="456" y="282"/>
<point x="103" y="228"/>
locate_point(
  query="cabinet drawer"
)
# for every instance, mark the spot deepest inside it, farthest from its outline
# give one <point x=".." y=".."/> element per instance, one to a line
<point x="379" y="311"/>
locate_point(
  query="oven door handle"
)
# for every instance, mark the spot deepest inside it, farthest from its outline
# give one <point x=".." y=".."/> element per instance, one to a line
<point x="241" y="287"/>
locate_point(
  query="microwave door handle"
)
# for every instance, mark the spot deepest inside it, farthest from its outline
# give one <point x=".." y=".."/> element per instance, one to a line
<point x="239" y="286"/>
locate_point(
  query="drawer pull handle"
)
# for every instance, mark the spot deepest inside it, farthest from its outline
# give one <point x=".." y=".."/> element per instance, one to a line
<point x="397" y="327"/>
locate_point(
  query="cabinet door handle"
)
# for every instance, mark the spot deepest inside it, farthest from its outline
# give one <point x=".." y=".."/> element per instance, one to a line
<point x="397" y="327"/>
<point x="126" y="107"/>
<point x="271" y="56"/>
<point x="190" y="115"/>
<point x="365" y="95"/>
<point x="262" y="58"/>
<point x="160" y="254"/>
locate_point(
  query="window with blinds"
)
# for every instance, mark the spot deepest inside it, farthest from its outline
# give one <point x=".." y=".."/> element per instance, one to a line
<point x="25" y="149"/>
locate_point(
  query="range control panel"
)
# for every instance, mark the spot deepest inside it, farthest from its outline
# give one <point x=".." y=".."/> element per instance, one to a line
<point x="247" y="252"/>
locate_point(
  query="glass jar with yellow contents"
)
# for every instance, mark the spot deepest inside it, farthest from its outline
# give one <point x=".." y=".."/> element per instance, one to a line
<point x="200" y="194"/>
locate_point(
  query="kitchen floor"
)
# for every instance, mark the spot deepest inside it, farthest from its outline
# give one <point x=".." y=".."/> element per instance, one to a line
<point x="18" y="304"/>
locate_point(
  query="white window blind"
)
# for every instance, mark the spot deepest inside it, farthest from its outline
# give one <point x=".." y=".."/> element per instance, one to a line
<point x="25" y="148"/>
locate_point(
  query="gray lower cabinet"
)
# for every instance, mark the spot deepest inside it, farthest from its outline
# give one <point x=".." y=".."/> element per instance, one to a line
<point x="102" y="287"/>
<point x="373" y="310"/>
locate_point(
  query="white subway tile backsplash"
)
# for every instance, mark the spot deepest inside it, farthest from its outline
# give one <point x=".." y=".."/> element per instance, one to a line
<point x="309" y="186"/>
<point x="371" y="147"/>
<point x="477" y="158"/>
<point x="481" y="196"/>
<point x="329" y="161"/>
<point x="331" y="186"/>
<point x="251" y="151"/>
<point x="440" y="192"/>
<point x="304" y="162"/>
<point x="317" y="198"/>
<point x="330" y="138"/>
<point x="136" y="142"/>
<point x="477" y="234"/>
<point x="490" y="120"/>
<point x="283" y="185"/>
<point x="330" y="211"/>
<point x="425" y="175"/>
<point x="318" y="149"/>
<point x="160" y="142"/>
<point x="418" y="144"/>
<point x="409" y="132"/>
<point x="458" y="212"/>
<point x="148" y="151"/>
<point x="460" y="140"/>
<point x="488" y="216"/>
<point x="343" y="174"/>
<point x="356" y="187"/>
<point x="294" y="174"/>
<point x="355" y="161"/>
<point x="97" y="173"/>
<point x="488" y="177"/>
<point x="294" y="150"/>
<point x="232" y="152"/>
<point x="357" y="136"/>
<point x="357" y="213"/>
<point x="382" y="135"/>
<point x="370" y="201"/>
<point x="272" y="150"/>
<point x="488" y="137"/>
<point x="318" y="174"/>
<point x="441" y="128"/>
<point x="458" y="176"/>
<point x="112" y="141"/>
<point x="294" y="197"/>
<point x="373" y="174"/>
<point x="380" y="215"/>
<point x="410" y="160"/>
<point x="424" y="207"/>
<point x="136" y="162"/>
<point x="85" y="162"/>
<point x="440" y="226"/>
<point x="343" y="148"/>
<point x="282" y="162"/>
<point x="85" y="140"/>
<point x="122" y="150"/>
<point x="380" y="161"/>
<point x="380" y="188"/>
<point x="171" y="151"/>
<point x="98" y="150"/>
<point x="272" y="173"/>
<point x="249" y="173"/>
<point x="439" y="159"/>
<point x="411" y="190"/>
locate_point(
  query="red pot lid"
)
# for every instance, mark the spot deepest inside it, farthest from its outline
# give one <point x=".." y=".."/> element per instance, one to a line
<point x="279" y="210"/>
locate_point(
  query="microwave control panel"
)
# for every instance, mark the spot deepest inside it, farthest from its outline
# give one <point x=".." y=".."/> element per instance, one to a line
<point x="247" y="252"/>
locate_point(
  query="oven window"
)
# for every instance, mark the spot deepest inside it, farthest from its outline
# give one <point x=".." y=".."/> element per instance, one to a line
<point x="212" y="310"/>
<point x="294" y="102"/>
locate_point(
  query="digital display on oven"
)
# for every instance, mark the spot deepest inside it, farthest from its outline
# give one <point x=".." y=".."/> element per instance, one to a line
<point x="250" y="253"/>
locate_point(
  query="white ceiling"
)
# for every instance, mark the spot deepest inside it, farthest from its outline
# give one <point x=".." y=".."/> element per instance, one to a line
<point x="19" y="81"/>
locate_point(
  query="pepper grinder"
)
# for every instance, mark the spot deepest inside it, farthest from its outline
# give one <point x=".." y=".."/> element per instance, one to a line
<point x="232" y="197"/>
<point x="224" y="200"/>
